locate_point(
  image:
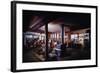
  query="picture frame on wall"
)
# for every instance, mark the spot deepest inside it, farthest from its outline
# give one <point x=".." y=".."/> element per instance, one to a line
<point x="48" y="36"/>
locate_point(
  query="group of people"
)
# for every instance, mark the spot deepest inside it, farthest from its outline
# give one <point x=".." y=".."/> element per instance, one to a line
<point x="38" y="49"/>
<point x="54" y="50"/>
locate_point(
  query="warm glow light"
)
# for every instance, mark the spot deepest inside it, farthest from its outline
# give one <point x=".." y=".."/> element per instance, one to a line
<point x="52" y="27"/>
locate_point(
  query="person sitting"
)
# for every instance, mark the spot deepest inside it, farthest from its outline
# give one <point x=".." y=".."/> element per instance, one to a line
<point x="58" y="50"/>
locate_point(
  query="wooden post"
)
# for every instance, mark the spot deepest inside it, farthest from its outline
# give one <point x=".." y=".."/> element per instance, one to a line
<point x="62" y="34"/>
<point x="47" y="54"/>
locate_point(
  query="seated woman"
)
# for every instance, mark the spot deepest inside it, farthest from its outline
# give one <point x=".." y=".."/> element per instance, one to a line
<point x="52" y="53"/>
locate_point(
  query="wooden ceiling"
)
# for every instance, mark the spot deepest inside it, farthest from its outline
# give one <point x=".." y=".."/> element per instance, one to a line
<point x="37" y="19"/>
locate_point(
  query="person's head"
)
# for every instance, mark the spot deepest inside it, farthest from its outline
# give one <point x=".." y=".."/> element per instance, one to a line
<point x="57" y="42"/>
